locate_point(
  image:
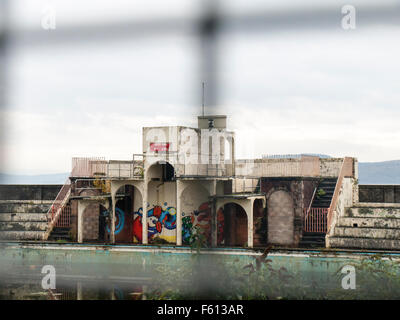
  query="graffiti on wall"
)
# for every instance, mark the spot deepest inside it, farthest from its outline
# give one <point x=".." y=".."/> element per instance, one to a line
<point x="161" y="223"/>
<point x="119" y="220"/>
<point x="202" y="219"/>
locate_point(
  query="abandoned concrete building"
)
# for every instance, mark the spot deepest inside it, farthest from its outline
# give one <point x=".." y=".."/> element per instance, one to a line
<point x="187" y="183"/>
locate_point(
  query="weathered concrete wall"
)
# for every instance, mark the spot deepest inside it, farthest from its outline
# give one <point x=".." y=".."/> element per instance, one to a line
<point x="161" y="204"/>
<point x="379" y="193"/>
<point x="303" y="167"/>
<point x="28" y="192"/>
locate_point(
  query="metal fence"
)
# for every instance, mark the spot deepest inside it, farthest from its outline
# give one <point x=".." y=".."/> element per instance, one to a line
<point x="315" y="220"/>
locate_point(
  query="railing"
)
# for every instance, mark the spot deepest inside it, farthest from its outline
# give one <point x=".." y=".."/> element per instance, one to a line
<point x="99" y="167"/>
<point x="64" y="221"/>
<point x="312" y="198"/>
<point x="346" y="170"/>
<point x="57" y="208"/>
<point x="87" y="167"/>
<point x="315" y="220"/>
<point x="196" y="165"/>
<point x="125" y="169"/>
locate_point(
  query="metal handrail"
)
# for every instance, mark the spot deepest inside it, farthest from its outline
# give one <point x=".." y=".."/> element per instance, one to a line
<point x="54" y="212"/>
<point x="311" y="201"/>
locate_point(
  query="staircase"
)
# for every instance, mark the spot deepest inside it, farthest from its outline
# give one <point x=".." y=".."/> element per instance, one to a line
<point x="60" y="233"/>
<point x="23" y="219"/>
<point x="59" y="215"/>
<point x="368" y="226"/>
<point x="315" y="224"/>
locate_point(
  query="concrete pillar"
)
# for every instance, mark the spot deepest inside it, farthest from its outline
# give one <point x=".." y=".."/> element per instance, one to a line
<point x="144" y="216"/>
<point x="79" y="294"/>
<point x="250" y="224"/>
<point x="81" y="209"/>
<point x="179" y="189"/>
<point x="112" y="228"/>
<point x="214" y="221"/>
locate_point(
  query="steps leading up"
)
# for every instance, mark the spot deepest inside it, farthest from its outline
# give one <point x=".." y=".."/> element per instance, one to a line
<point x="60" y="234"/>
<point x="23" y="219"/>
<point x="324" y="194"/>
<point x="322" y="199"/>
<point x="312" y="240"/>
<point x="367" y="228"/>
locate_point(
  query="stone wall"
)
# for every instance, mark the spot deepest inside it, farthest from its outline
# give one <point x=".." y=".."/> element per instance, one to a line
<point x="29" y="192"/>
<point x="379" y="193"/>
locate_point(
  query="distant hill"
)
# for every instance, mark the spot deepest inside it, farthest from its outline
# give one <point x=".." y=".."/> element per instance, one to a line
<point x="386" y="172"/>
<point x="56" y="178"/>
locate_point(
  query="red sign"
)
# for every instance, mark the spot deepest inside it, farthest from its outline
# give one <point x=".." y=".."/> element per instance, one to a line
<point x="159" y="146"/>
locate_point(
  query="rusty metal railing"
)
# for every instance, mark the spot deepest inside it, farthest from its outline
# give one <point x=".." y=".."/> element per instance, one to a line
<point x="57" y="207"/>
<point x="64" y="221"/>
<point x="315" y="220"/>
<point x="88" y="167"/>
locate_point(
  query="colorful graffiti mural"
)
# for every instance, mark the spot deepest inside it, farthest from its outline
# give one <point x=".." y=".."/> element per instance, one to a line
<point x="161" y="223"/>
<point x="202" y="219"/>
<point x="119" y="220"/>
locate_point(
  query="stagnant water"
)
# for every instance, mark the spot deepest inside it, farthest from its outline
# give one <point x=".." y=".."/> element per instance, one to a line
<point x="148" y="272"/>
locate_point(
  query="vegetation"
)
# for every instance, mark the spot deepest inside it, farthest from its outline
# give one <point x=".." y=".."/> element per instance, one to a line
<point x="213" y="278"/>
<point x="320" y="193"/>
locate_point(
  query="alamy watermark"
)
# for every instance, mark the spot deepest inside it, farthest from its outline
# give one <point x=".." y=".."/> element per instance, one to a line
<point x="349" y="280"/>
<point x="349" y="18"/>
<point x="48" y="21"/>
<point x="49" y="280"/>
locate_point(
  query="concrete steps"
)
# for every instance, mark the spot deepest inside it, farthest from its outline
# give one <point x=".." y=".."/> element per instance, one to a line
<point x="363" y="243"/>
<point x="366" y="232"/>
<point x="365" y="227"/>
<point x="21" y="235"/>
<point x="25" y="206"/>
<point x="23" y="219"/>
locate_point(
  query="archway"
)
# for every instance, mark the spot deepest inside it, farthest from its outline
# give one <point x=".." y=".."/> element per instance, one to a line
<point x="128" y="208"/>
<point x="90" y="217"/>
<point x="161" y="171"/>
<point x="232" y="226"/>
<point x="280" y="218"/>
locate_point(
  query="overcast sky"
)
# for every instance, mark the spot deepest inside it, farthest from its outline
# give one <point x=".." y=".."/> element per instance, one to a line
<point x="316" y="90"/>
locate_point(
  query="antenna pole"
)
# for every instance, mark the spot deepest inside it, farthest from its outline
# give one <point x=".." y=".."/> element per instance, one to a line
<point x="203" y="98"/>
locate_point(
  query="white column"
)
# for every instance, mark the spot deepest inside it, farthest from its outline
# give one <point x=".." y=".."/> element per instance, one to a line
<point x="112" y="228"/>
<point x="144" y="216"/>
<point x="178" y="213"/>
<point x="81" y="209"/>
<point x="79" y="291"/>
<point x="250" y="225"/>
<point x="214" y="220"/>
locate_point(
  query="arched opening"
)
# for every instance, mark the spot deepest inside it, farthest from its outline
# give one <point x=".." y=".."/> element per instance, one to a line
<point x="90" y="217"/>
<point x="161" y="171"/>
<point x="161" y="197"/>
<point x="196" y="214"/>
<point x="280" y="218"/>
<point x="232" y="226"/>
<point x="128" y="205"/>
<point x="90" y="223"/>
